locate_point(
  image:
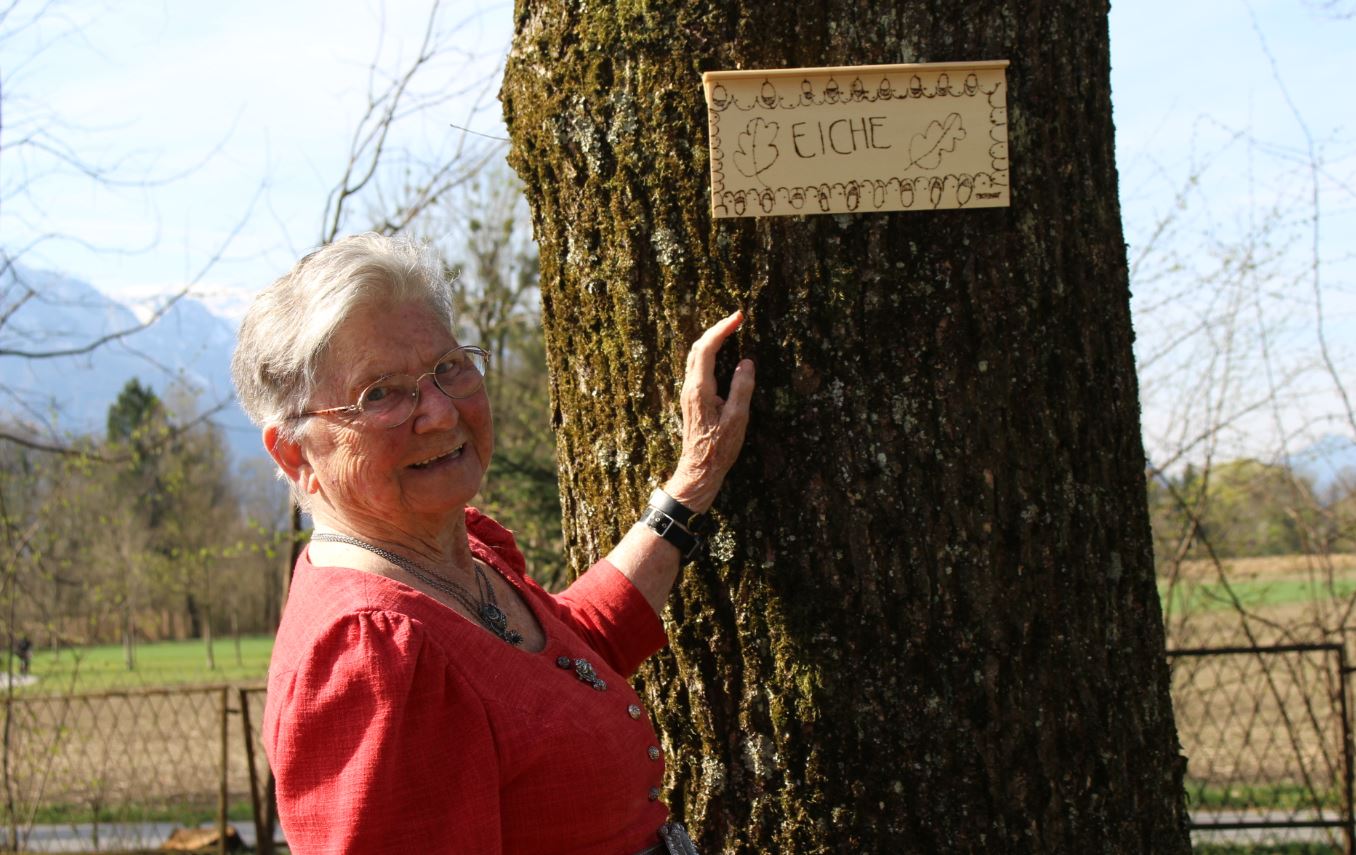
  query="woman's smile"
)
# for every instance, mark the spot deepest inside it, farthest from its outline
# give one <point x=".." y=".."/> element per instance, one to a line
<point x="438" y="460"/>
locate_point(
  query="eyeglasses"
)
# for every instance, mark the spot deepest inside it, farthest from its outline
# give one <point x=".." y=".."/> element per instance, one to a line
<point x="388" y="401"/>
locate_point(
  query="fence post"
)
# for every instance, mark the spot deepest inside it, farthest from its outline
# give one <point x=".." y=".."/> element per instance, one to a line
<point x="263" y="831"/>
<point x="1348" y="814"/>
<point x="13" y="828"/>
<point x="223" y="797"/>
<point x="270" y="805"/>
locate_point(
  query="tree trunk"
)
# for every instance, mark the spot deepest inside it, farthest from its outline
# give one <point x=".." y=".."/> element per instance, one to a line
<point x="235" y="636"/>
<point x="929" y="621"/>
<point x="129" y="651"/>
<point x="191" y="609"/>
<point x="207" y="639"/>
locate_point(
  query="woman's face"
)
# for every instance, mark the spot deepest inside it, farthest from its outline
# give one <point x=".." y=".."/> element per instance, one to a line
<point x="409" y="478"/>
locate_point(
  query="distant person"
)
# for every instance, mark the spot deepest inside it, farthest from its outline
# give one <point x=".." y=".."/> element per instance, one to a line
<point x="24" y="649"/>
<point x="425" y="695"/>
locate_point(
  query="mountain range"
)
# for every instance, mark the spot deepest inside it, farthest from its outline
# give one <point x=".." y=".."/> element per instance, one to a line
<point x="188" y="347"/>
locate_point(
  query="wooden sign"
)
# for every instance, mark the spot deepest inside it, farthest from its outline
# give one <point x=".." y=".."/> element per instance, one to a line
<point x="858" y="139"/>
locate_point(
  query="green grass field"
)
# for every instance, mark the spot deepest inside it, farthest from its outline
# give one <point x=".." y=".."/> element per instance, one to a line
<point x="166" y="663"/>
<point x="1265" y="849"/>
<point x="1273" y="796"/>
<point x="1253" y="593"/>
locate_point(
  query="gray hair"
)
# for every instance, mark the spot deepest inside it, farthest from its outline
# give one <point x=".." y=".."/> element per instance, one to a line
<point x="288" y="328"/>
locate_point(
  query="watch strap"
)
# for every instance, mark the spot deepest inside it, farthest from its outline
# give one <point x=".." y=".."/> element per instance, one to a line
<point x="668" y="528"/>
<point x="683" y="515"/>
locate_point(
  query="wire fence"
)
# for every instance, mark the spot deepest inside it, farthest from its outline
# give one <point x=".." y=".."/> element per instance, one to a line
<point x="121" y="771"/>
<point x="1266" y="731"/>
<point x="1268" y="743"/>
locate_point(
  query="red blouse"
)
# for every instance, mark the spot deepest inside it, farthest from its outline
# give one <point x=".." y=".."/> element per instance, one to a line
<point x="394" y="724"/>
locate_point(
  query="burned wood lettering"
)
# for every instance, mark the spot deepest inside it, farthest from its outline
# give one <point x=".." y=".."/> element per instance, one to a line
<point x="858" y="139"/>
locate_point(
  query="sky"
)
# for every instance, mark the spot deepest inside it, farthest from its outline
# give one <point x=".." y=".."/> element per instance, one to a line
<point x="240" y="115"/>
<point x="239" y="112"/>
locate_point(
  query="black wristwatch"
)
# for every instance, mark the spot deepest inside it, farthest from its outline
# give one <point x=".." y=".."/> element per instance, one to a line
<point x="697" y="523"/>
<point x="687" y="543"/>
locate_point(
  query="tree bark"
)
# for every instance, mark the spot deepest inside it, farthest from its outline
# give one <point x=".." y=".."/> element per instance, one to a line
<point x="929" y="621"/>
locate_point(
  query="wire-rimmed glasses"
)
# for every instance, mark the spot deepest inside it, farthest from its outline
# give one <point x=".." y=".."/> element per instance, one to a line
<point x="388" y="401"/>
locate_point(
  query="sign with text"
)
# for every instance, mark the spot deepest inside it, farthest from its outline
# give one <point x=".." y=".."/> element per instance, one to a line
<point x="858" y="139"/>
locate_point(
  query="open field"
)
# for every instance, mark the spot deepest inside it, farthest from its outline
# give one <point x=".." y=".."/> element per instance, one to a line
<point x="166" y="663"/>
<point x="94" y="742"/>
<point x="1271" y="600"/>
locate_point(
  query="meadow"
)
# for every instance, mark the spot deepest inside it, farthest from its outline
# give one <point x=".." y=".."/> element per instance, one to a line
<point x="161" y="665"/>
<point x="1262" y="732"/>
<point x="1282" y="599"/>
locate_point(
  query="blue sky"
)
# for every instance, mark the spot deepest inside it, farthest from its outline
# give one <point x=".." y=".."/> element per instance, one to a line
<point x="253" y="103"/>
<point x="1221" y="107"/>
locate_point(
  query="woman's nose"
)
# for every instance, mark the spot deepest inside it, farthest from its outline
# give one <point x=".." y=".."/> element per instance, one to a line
<point x="433" y="410"/>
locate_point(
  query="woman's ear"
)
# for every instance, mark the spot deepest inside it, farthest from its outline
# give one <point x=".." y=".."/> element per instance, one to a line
<point x="290" y="457"/>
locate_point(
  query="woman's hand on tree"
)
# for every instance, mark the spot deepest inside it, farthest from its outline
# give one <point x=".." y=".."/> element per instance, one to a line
<point x="713" y="427"/>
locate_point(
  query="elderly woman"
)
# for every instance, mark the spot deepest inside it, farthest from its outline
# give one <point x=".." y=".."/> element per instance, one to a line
<point x="425" y="695"/>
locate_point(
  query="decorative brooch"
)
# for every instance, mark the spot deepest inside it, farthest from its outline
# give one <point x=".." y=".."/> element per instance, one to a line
<point x="583" y="672"/>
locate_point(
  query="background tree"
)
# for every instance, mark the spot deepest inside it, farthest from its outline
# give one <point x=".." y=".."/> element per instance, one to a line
<point x="486" y="233"/>
<point x="929" y="622"/>
<point x="1240" y="508"/>
<point x="141" y="536"/>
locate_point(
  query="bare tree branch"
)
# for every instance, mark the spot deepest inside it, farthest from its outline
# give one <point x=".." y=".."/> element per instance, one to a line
<point x="370" y="150"/>
<point x="1315" y="262"/>
<point x="92" y="453"/>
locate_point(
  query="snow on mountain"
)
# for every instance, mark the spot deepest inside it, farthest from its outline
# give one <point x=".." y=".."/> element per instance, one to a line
<point x="188" y="346"/>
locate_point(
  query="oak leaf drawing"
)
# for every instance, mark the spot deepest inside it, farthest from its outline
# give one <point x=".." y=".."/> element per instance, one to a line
<point x="926" y="149"/>
<point x="756" y="152"/>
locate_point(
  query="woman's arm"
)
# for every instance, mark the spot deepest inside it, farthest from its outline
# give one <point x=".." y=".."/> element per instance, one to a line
<point x="713" y="433"/>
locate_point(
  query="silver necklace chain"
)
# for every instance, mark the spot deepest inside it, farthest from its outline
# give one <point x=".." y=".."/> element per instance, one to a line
<point x="485" y="607"/>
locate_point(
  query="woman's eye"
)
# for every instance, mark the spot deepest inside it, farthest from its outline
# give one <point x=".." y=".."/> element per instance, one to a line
<point x="376" y="394"/>
<point x="447" y="366"/>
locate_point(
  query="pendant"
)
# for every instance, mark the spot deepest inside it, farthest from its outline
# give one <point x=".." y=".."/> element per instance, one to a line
<point x="497" y="622"/>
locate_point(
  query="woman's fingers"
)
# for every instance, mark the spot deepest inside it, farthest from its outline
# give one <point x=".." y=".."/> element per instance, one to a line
<point x="736" y="405"/>
<point x="701" y="359"/>
<point x="734" y="415"/>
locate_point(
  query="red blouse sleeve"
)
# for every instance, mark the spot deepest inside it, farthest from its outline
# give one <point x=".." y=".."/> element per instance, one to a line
<point x="378" y="746"/>
<point x="613" y="617"/>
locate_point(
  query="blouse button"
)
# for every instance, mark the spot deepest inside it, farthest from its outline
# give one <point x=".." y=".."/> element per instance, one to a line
<point x="653" y="752"/>
<point x="564" y="662"/>
<point x="654" y="794"/>
<point x="633" y="711"/>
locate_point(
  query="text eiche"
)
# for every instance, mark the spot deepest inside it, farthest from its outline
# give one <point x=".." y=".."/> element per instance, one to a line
<point x="841" y="136"/>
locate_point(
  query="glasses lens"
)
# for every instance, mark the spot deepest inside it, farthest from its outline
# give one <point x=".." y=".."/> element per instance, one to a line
<point x="388" y="401"/>
<point x="461" y="372"/>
